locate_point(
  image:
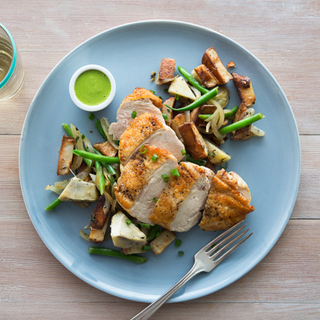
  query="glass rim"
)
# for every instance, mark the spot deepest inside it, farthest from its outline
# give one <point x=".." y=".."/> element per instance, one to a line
<point x="14" y="57"/>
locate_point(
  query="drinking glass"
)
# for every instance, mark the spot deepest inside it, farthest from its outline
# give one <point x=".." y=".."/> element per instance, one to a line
<point x="11" y="70"/>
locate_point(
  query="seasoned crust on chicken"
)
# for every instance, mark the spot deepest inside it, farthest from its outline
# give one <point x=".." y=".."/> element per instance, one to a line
<point x="179" y="206"/>
<point x="141" y="181"/>
<point x="142" y="93"/>
<point x="140" y="101"/>
<point x="225" y="205"/>
<point x="147" y="129"/>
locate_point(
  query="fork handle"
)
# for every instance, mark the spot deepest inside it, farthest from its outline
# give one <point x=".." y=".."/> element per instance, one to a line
<point x="153" y="307"/>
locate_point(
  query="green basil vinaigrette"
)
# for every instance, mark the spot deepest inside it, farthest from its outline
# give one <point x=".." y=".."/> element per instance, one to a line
<point x="92" y="87"/>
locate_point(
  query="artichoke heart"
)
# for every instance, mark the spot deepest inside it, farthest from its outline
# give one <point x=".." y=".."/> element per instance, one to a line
<point x="78" y="190"/>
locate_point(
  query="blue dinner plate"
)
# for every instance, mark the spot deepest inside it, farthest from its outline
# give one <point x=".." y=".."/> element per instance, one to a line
<point x="270" y="165"/>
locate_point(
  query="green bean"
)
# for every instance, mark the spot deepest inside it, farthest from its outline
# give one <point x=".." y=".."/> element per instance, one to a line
<point x="154" y="230"/>
<point x="68" y="129"/>
<point x="242" y="123"/>
<point x="200" y="162"/>
<point x="192" y="80"/>
<point x="99" y="128"/>
<point x="108" y="166"/>
<point x="226" y="114"/>
<point x="53" y="204"/>
<point x="96" y="157"/>
<point x="118" y="254"/>
<point x="102" y="182"/>
<point x="231" y="113"/>
<point x="199" y="102"/>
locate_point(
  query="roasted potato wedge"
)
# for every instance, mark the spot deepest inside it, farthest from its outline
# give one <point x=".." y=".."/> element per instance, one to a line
<point x="245" y="90"/>
<point x="203" y="75"/>
<point x="162" y="241"/>
<point x="178" y="121"/>
<point x="166" y="71"/>
<point x="193" y="141"/>
<point x="106" y="149"/>
<point x="66" y="155"/>
<point x="212" y="61"/>
<point x="165" y="110"/>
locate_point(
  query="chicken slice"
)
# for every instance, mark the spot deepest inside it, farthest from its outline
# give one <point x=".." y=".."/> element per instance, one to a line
<point x="178" y="208"/>
<point x="141" y="182"/>
<point x="225" y="206"/>
<point x="147" y="129"/>
<point x="140" y="101"/>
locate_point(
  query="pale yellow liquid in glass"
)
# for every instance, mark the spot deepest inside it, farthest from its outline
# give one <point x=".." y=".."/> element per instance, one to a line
<point x="6" y="54"/>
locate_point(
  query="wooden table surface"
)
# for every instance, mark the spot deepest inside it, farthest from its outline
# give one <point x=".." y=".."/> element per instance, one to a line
<point x="284" y="36"/>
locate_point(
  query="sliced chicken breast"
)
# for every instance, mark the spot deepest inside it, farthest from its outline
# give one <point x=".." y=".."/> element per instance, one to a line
<point x="179" y="207"/>
<point x="225" y="205"/>
<point x="141" y="183"/>
<point x="139" y="102"/>
<point x="147" y="129"/>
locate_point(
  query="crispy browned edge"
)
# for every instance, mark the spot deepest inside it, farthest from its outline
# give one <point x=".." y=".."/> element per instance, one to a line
<point x="63" y="166"/>
<point x="193" y="140"/>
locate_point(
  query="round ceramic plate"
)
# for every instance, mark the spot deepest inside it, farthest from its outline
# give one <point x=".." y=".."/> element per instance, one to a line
<point x="270" y="165"/>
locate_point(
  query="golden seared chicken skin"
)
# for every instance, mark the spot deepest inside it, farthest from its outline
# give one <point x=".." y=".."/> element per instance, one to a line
<point x="225" y="205"/>
<point x="141" y="183"/>
<point x="147" y="129"/>
<point x="179" y="206"/>
<point x="139" y="102"/>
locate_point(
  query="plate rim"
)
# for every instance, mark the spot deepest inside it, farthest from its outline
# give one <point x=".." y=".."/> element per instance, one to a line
<point x="195" y="294"/>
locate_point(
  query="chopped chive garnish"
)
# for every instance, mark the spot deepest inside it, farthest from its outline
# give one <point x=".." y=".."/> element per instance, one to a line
<point x="145" y="225"/>
<point x="165" y="117"/>
<point x="183" y="152"/>
<point x="143" y="149"/>
<point x="181" y="253"/>
<point x="165" y="178"/>
<point x="91" y="116"/>
<point x="154" y="158"/>
<point x="128" y="222"/>
<point x="178" y="243"/>
<point x="152" y="91"/>
<point x="146" y="248"/>
<point x="154" y="199"/>
<point x="175" y="172"/>
<point x="166" y="90"/>
<point x="133" y="114"/>
<point x="177" y="97"/>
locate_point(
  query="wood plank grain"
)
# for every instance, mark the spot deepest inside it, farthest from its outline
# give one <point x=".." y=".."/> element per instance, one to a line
<point x="181" y="311"/>
<point x="39" y="282"/>
<point x="282" y="44"/>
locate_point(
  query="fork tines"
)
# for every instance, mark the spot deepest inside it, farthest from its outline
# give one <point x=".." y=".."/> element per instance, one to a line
<point x="215" y="248"/>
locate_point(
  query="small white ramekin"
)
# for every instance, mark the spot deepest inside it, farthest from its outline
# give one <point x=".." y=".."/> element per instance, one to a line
<point x="97" y="107"/>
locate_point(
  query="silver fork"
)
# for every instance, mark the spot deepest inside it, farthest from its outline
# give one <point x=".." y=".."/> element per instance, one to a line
<point x="206" y="259"/>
